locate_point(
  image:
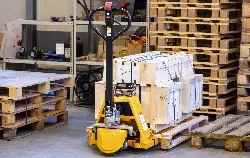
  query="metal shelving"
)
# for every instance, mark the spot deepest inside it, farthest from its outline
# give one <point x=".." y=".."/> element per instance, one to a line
<point x="79" y="22"/>
<point x="90" y="63"/>
<point x="72" y="28"/>
<point x="37" y="62"/>
<point x="37" y="22"/>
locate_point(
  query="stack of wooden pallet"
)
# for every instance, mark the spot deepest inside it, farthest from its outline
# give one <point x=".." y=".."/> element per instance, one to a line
<point x="244" y="73"/>
<point x="232" y="129"/>
<point x="210" y="30"/>
<point x="30" y="99"/>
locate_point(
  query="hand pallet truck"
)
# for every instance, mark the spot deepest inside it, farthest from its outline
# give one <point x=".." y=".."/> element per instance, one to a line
<point x="120" y="122"/>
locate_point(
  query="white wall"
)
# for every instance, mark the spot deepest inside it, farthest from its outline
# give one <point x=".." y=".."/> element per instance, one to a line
<point x="65" y="8"/>
<point x="11" y="10"/>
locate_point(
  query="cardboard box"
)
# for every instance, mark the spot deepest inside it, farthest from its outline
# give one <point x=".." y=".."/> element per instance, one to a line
<point x="135" y="49"/>
<point x="161" y="105"/>
<point x="119" y="45"/>
<point x="121" y="41"/>
<point x="116" y="50"/>
<point x="101" y="18"/>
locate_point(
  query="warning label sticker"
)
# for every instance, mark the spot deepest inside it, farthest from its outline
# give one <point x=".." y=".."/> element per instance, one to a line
<point x="143" y="122"/>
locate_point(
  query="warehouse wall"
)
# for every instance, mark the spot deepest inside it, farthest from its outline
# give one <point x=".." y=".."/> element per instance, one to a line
<point x="48" y="8"/>
<point x="11" y="10"/>
<point x="14" y="9"/>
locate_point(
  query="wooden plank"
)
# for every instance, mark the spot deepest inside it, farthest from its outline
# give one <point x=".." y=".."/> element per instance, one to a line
<point x="241" y="131"/>
<point x="16" y="85"/>
<point x="169" y="144"/>
<point x="23" y="122"/>
<point x="49" y="100"/>
<point x="184" y="126"/>
<point x="52" y="113"/>
<point x="232" y="126"/>
<point x="182" y="131"/>
<point x="217" y="124"/>
<point x="19" y="79"/>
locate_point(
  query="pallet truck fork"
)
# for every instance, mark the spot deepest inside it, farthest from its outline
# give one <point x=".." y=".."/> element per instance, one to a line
<point x="120" y="122"/>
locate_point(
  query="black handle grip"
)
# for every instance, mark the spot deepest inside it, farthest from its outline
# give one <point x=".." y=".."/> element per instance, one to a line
<point x="101" y="34"/>
<point x="85" y="7"/>
<point x="127" y="27"/>
<point x="92" y="25"/>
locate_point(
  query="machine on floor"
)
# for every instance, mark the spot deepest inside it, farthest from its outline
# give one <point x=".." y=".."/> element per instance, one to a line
<point x="121" y="122"/>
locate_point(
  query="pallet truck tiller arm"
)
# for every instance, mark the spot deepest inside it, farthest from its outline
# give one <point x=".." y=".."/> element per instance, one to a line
<point x="109" y="8"/>
<point x="120" y="122"/>
<point x="85" y="7"/>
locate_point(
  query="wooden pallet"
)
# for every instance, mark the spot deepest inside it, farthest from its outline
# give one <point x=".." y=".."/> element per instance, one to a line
<point x="218" y="110"/>
<point x="180" y="133"/>
<point x="176" y="47"/>
<point x="245" y="64"/>
<point x="20" y="119"/>
<point x="243" y="91"/>
<point x="31" y="101"/>
<point x="196" y="6"/>
<point x="195" y="40"/>
<point x="168" y="33"/>
<point x="221" y="43"/>
<point x="220" y="102"/>
<point x="33" y="125"/>
<point x="245" y="25"/>
<point x="243" y="78"/>
<point x="14" y="84"/>
<point x="60" y="115"/>
<point x="215" y="1"/>
<point x="222" y="75"/>
<point x="232" y="129"/>
<point x="56" y="102"/>
<point x="213" y="115"/>
<point x="194" y="20"/>
<point x="243" y="104"/>
<point x="217" y="89"/>
<point x="213" y="59"/>
<point x="198" y="1"/>
<point x="196" y="27"/>
<point x="244" y="50"/>
<point x="245" y="38"/>
<point x="245" y="9"/>
<point x="194" y="13"/>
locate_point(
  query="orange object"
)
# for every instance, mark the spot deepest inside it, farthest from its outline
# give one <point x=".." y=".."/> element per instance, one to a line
<point x="143" y="39"/>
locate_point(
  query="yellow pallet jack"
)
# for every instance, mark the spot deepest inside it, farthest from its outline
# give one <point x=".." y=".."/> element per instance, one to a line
<point x="121" y="123"/>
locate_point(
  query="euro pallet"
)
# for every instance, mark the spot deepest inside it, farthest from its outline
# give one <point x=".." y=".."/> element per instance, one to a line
<point x="232" y="129"/>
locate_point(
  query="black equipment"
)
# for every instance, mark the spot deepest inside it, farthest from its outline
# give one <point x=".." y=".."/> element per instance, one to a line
<point x="22" y="54"/>
<point x="85" y="85"/>
<point x="109" y="37"/>
<point x="85" y="7"/>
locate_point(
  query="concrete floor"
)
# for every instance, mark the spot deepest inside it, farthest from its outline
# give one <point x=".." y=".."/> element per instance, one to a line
<point x="69" y="142"/>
